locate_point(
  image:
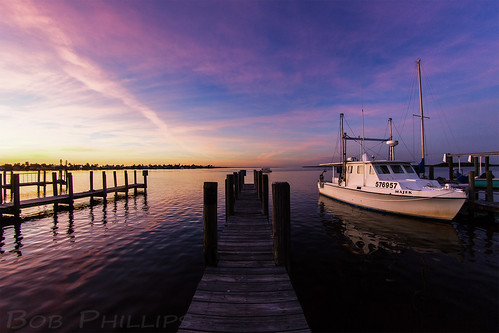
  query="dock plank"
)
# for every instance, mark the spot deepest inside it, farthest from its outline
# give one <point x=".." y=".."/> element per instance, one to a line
<point x="246" y="292"/>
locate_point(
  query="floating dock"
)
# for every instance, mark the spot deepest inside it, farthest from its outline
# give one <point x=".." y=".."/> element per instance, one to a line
<point x="246" y="291"/>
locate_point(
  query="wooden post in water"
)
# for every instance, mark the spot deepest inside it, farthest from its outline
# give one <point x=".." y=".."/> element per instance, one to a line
<point x="69" y="188"/>
<point x="490" y="192"/>
<point x="451" y="167"/>
<point x="5" y="184"/>
<point x="16" y="195"/>
<point x="236" y="185"/>
<point x="39" y="181"/>
<point x="10" y="187"/>
<point x="281" y="222"/>
<point x="115" y="182"/>
<point x="260" y="173"/>
<point x="210" y="223"/>
<point x="475" y="164"/>
<point x="126" y="183"/>
<point x="265" y="195"/>
<point x="255" y="182"/>
<point x="471" y="192"/>
<point x="432" y="172"/>
<point x="229" y="196"/>
<point x="104" y="187"/>
<point x="60" y="181"/>
<point x="91" y="186"/>
<point x="242" y="174"/>
<point x="44" y="183"/>
<point x="135" y="182"/>
<point x="145" y="173"/>
<point x="487" y="163"/>
<point x="54" y="189"/>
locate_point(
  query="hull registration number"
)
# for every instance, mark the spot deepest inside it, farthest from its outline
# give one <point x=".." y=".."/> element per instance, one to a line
<point x="386" y="184"/>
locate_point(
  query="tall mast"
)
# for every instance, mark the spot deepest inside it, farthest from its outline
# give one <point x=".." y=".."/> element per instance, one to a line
<point x="392" y="148"/>
<point x="422" y="117"/>
<point x="343" y="148"/>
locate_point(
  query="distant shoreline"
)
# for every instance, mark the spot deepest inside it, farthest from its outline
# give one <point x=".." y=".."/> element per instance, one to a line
<point x="88" y="167"/>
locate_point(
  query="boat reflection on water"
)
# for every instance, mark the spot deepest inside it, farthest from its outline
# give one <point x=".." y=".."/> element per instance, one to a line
<point x="365" y="232"/>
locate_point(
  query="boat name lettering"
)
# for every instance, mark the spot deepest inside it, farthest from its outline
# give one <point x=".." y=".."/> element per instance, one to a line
<point x="403" y="192"/>
<point x="386" y="184"/>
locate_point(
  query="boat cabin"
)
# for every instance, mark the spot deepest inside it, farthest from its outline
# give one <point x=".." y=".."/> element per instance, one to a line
<point x="372" y="172"/>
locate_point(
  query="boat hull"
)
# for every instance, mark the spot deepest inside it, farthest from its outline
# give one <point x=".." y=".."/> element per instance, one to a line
<point x="483" y="183"/>
<point x="442" y="208"/>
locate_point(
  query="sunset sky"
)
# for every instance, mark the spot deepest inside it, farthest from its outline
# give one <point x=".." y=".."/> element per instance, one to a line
<point x="243" y="83"/>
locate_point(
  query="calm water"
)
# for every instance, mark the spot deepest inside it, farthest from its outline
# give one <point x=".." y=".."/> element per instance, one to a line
<point x="133" y="264"/>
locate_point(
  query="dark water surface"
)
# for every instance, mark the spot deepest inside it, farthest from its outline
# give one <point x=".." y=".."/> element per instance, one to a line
<point x="133" y="265"/>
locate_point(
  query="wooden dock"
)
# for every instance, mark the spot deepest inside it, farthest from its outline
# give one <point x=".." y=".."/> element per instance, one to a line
<point x="246" y="291"/>
<point x="16" y="204"/>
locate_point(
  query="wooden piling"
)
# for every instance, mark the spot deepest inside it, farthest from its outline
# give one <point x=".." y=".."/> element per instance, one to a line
<point x="69" y="186"/>
<point x="229" y="196"/>
<point x="265" y="195"/>
<point x="104" y="186"/>
<point x="210" y="223"/>
<point x="5" y="184"/>
<point x="451" y="167"/>
<point x="44" y="183"/>
<point x="91" y="186"/>
<point x="16" y="195"/>
<point x="475" y="164"/>
<point x="145" y="173"/>
<point x="242" y="174"/>
<point x="471" y="192"/>
<point x="135" y="182"/>
<point x="236" y="185"/>
<point x="487" y="163"/>
<point x="490" y="191"/>
<point x="260" y="173"/>
<point x="115" y="179"/>
<point x="126" y="183"/>
<point x="60" y="181"/>
<point x="281" y="222"/>
<point x="54" y="189"/>
<point x="432" y="172"/>
<point x="39" y="181"/>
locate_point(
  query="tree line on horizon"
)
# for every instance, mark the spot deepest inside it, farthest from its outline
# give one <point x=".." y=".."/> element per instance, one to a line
<point x="27" y="166"/>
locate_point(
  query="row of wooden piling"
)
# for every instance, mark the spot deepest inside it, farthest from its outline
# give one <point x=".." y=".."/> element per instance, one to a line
<point x="281" y="217"/>
<point x="450" y="164"/>
<point x="14" y="206"/>
<point x="473" y="194"/>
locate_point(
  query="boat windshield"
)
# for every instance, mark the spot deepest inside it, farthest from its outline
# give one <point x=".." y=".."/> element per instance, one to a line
<point x="396" y="168"/>
<point x="408" y="168"/>
<point x="382" y="169"/>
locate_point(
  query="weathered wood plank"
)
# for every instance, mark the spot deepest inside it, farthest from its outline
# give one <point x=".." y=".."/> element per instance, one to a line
<point x="246" y="292"/>
<point x="282" y="323"/>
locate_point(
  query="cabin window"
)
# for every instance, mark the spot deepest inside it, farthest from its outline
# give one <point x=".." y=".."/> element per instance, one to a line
<point x="382" y="169"/>
<point x="360" y="169"/>
<point x="397" y="168"/>
<point x="408" y="169"/>
<point x="350" y="169"/>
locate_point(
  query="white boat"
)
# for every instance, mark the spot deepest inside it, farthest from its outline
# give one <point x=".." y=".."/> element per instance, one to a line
<point x="390" y="186"/>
